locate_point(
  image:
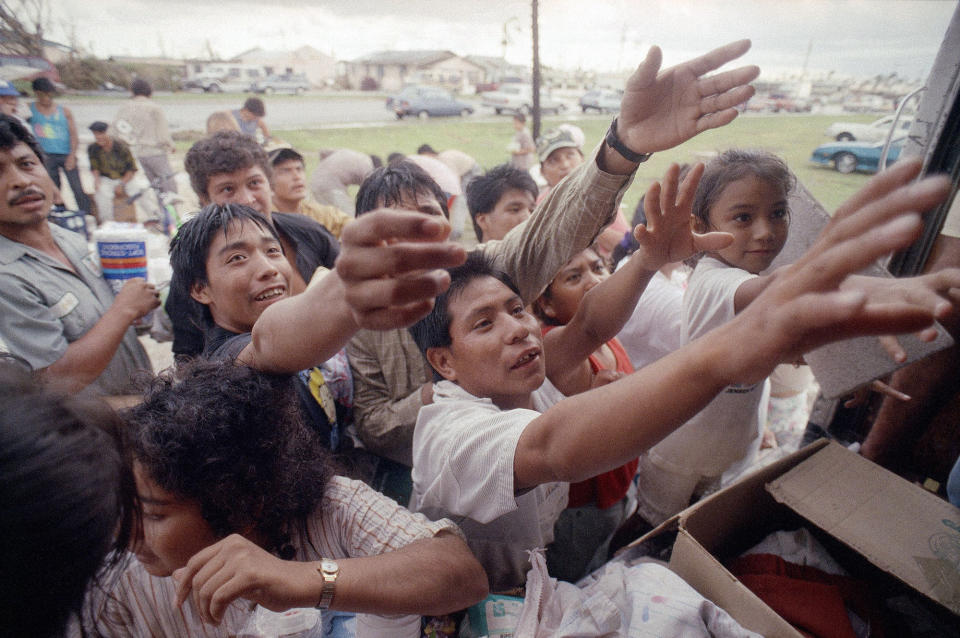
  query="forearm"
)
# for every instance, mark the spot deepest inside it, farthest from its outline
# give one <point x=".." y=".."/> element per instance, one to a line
<point x="397" y="583"/>
<point x="288" y="337"/>
<point x="127" y="177"/>
<point x="86" y="358"/>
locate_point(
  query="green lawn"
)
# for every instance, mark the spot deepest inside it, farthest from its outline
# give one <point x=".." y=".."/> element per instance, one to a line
<point x="791" y="136"/>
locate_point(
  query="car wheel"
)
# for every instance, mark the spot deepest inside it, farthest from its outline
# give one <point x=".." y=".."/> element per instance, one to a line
<point x="214" y="88"/>
<point x="299" y="90"/>
<point x="498" y="111"/>
<point x="423" y="115"/>
<point x="465" y="112"/>
<point x="399" y="115"/>
<point x="583" y="108"/>
<point x="268" y="90"/>
<point x="845" y="163"/>
<point x="844" y="137"/>
<point x="561" y="109"/>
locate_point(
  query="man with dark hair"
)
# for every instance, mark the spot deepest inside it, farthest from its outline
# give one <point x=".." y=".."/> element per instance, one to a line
<point x="231" y="168"/>
<point x="290" y="194"/>
<point x="249" y="118"/>
<point x="500" y="200"/>
<point x="54" y="127"/>
<point x="57" y="312"/>
<point x="142" y="124"/>
<point x="498" y="444"/>
<point x="112" y="166"/>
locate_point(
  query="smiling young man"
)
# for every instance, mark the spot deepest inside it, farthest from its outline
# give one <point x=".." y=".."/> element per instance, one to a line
<point x="497" y="446"/>
<point x="57" y="312"/>
<point x="231" y="168"/>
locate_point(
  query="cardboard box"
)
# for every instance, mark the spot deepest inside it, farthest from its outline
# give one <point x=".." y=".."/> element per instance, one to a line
<point x="878" y="526"/>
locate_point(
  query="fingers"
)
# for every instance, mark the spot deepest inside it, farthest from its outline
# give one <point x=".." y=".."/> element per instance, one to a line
<point x="646" y="73"/>
<point x="879" y="386"/>
<point x="728" y="88"/>
<point x="880" y="185"/>
<point x="391" y="260"/>
<point x="374" y="227"/>
<point x="718" y="57"/>
<point x="688" y="188"/>
<point x="892" y="346"/>
<point x="710" y="242"/>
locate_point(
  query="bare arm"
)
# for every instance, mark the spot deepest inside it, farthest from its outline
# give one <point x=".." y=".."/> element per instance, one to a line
<point x="74" y="140"/>
<point x="391" y="583"/>
<point x="86" y="358"/>
<point x="798" y="311"/>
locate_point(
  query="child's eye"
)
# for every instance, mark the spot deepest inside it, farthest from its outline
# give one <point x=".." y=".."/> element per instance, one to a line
<point x="742" y="218"/>
<point x="780" y="213"/>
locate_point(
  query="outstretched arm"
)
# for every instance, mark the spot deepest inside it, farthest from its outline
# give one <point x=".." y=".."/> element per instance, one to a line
<point x="800" y="310"/>
<point x="386" y="277"/>
<point x="667" y="237"/>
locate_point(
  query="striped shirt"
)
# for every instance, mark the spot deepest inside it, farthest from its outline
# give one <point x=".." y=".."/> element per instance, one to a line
<point x="352" y="521"/>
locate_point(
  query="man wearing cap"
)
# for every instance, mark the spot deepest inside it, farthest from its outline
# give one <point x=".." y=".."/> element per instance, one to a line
<point x="290" y="194"/>
<point x="142" y="124"/>
<point x="54" y="127"/>
<point x="112" y="165"/>
<point x="10" y="101"/>
<point x="559" y="154"/>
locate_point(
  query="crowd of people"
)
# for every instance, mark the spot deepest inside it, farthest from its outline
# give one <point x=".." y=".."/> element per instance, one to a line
<point x="367" y="416"/>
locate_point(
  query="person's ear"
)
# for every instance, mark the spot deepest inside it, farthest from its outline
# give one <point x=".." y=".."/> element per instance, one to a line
<point x="441" y="361"/>
<point x="200" y="293"/>
<point x="483" y="223"/>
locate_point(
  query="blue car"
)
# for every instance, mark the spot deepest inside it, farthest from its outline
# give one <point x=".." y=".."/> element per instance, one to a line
<point x="425" y="102"/>
<point x="847" y="157"/>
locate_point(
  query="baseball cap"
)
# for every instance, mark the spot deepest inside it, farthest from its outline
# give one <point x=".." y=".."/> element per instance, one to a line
<point x="7" y="89"/>
<point x="43" y="84"/>
<point x="98" y="127"/>
<point x="552" y="140"/>
<point x="283" y="154"/>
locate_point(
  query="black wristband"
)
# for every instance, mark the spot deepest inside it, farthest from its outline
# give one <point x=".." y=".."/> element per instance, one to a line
<point x="614" y="142"/>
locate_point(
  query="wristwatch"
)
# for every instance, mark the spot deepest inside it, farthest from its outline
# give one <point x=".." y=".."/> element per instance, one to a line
<point x="329" y="570"/>
<point x="616" y="144"/>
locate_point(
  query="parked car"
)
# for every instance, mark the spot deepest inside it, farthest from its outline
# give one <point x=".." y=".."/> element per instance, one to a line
<point x="601" y="100"/>
<point x="518" y="98"/>
<point x="289" y="83"/>
<point x="847" y="157"/>
<point x="873" y="132"/>
<point x="207" y="84"/>
<point x="426" y="101"/>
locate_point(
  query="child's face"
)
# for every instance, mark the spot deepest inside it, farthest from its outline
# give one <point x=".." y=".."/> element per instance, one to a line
<point x="495" y="347"/>
<point x="579" y="275"/>
<point x="173" y="528"/>
<point x="560" y="163"/>
<point x="755" y="212"/>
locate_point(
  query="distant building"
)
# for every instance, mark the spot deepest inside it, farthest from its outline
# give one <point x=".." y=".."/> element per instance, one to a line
<point x="320" y="68"/>
<point x="392" y="70"/>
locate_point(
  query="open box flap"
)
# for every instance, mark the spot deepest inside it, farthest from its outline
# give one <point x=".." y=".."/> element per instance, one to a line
<point x="897" y="526"/>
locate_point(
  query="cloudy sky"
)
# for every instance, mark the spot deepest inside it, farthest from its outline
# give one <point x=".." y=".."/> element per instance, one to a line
<point x="860" y="37"/>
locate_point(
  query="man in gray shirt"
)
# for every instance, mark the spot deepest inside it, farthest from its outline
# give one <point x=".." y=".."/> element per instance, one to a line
<point x="57" y="312"/>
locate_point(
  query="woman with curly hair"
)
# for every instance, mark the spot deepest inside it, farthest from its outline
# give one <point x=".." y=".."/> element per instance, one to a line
<point x="239" y="505"/>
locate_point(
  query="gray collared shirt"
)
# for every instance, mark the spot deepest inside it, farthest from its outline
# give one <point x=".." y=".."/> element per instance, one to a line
<point x="44" y="307"/>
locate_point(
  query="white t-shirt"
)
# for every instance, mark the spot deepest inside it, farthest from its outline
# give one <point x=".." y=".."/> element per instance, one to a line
<point x="724" y="431"/>
<point x="463" y="450"/>
<point x="654" y="328"/>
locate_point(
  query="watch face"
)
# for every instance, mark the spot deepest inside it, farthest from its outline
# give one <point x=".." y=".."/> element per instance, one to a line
<point x="329" y="566"/>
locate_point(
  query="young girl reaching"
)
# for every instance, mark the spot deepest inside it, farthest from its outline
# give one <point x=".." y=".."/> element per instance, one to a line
<point x="743" y="193"/>
<point x="582" y="310"/>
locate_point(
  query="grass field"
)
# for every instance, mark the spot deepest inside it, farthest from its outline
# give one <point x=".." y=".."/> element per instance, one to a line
<point x="793" y="137"/>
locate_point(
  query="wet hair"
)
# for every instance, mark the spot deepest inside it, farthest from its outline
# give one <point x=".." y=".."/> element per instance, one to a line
<point x="395" y="156"/>
<point x="736" y="164"/>
<point x="190" y="248"/>
<point x="426" y="149"/>
<point x="222" y="152"/>
<point x="255" y="106"/>
<point x="12" y="132"/>
<point x="390" y="185"/>
<point x="537" y="307"/>
<point x="141" y="87"/>
<point x="231" y="439"/>
<point x="66" y="501"/>
<point x="485" y="191"/>
<point x="433" y="331"/>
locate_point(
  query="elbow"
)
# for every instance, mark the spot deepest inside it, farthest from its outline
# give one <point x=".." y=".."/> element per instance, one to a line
<point x="464" y="582"/>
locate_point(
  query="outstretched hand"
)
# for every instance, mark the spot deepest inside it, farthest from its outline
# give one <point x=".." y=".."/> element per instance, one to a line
<point x="806" y="307"/>
<point x="668" y="234"/>
<point x="391" y="265"/>
<point x="661" y="109"/>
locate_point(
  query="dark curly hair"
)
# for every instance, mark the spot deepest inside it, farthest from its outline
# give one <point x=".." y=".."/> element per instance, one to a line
<point x="232" y="439"/>
<point x="222" y="152"/>
<point x="66" y="501"/>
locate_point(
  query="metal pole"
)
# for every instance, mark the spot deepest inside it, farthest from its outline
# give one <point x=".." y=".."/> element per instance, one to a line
<point x="536" y="73"/>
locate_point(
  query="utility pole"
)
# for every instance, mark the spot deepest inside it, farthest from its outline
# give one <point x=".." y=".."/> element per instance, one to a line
<point x="536" y="72"/>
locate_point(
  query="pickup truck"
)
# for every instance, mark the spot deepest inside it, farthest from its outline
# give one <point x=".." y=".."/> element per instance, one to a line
<point x="518" y="98"/>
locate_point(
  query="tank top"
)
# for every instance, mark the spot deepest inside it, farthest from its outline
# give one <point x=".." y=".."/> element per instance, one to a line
<point x="53" y="132"/>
